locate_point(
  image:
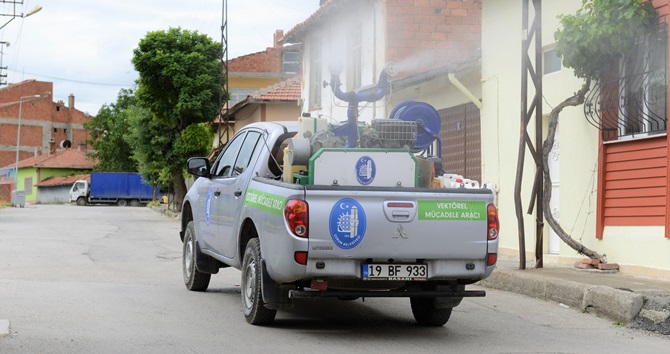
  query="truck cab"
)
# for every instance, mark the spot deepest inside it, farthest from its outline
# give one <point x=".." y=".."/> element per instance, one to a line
<point x="79" y="192"/>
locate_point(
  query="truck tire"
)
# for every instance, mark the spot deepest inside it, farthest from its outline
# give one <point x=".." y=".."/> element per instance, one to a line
<point x="81" y="201"/>
<point x="253" y="306"/>
<point x="122" y="202"/>
<point x="135" y="203"/>
<point x="426" y="314"/>
<point x="193" y="279"/>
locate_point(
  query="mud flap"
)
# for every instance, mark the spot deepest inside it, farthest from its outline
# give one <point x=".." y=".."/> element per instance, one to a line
<point x="274" y="296"/>
<point x="205" y="263"/>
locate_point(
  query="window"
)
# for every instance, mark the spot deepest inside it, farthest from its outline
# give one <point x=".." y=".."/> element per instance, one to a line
<point x="64" y="131"/>
<point x="239" y="94"/>
<point x="315" y="75"/>
<point x="630" y="100"/>
<point x="642" y="90"/>
<point x="236" y="157"/>
<point x="291" y="60"/>
<point x="551" y="61"/>
<point x="55" y="130"/>
<point x="246" y="152"/>
<point x="355" y="61"/>
<point x="223" y="166"/>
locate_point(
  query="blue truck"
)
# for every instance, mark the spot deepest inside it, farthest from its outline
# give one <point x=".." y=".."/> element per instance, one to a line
<point x="120" y="188"/>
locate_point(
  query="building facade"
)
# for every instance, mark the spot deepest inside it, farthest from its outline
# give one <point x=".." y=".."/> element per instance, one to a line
<point x="435" y="50"/>
<point x="42" y="121"/>
<point x="609" y="163"/>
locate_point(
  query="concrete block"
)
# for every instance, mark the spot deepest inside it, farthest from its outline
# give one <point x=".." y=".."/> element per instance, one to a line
<point x="581" y="265"/>
<point x="593" y="262"/>
<point x="608" y="266"/>
<point x="616" y="304"/>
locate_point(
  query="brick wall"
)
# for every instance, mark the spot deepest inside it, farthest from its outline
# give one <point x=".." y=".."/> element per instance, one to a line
<point x="268" y="61"/>
<point x="41" y="120"/>
<point x="431" y="33"/>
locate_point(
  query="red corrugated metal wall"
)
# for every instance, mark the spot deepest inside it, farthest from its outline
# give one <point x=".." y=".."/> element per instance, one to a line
<point x="634" y="183"/>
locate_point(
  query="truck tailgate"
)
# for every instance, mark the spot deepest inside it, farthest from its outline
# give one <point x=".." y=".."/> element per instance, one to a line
<point x="397" y="223"/>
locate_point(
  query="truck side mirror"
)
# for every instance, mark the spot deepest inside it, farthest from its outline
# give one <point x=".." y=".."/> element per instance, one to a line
<point x="198" y="166"/>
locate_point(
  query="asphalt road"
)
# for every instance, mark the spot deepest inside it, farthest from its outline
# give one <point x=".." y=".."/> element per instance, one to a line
<point x="108" y="280"/>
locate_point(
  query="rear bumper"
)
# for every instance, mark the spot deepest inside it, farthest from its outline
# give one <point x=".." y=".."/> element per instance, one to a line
<point x="309" y="294"/>
<point x="449" y="269"/>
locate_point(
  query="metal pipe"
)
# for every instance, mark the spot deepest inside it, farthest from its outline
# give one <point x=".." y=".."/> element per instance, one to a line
<point x="459" y="85"/>
<point x="18" y="140"/>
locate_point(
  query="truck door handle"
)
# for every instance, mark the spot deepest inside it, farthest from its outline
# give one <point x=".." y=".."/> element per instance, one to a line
<point x="217" y="193"/>
<point x="238" y="193"/>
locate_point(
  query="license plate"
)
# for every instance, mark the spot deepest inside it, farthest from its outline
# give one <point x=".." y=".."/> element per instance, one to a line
<point x="395" y="272"/>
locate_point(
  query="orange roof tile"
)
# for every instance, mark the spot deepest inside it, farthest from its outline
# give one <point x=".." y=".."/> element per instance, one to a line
<point x="61" y="181"/>
<point x="288" y="90"/>
<point x="62" y="158"/>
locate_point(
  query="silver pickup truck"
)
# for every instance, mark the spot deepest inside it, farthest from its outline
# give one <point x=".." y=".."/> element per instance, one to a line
<point x="350" y="223"/>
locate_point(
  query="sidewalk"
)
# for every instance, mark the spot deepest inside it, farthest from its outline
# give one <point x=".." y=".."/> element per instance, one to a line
<point x="641" y="302"/>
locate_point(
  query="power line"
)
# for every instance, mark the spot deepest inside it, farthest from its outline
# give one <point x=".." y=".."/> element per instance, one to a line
<point x="70" y="80"/>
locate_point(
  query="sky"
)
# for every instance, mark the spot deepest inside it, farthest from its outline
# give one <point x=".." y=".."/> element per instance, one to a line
<point x="85" y="47"/>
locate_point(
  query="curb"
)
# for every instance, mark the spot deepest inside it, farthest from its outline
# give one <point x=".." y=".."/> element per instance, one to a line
<point x="618" y="305"/>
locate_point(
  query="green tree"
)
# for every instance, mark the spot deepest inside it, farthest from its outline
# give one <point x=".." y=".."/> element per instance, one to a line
<point x="109" y="129"/>
<point x="597" y="34"/>
<point x="179" y="85"/>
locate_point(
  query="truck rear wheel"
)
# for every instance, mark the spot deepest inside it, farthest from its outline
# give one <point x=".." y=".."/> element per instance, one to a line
<point x="135" y="203"/>
<point x="122" y="202"/>
<point x="193" y="279"/>
<point x="426" y="314"/>
<point x="253" y="306"/>
<point x="81" y="201"/>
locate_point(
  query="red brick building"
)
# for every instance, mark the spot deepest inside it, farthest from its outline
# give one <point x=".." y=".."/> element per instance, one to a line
<point x="42" y="121"/>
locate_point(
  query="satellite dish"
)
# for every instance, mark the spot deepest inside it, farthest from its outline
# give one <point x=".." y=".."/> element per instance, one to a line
<point x="66" y="144"/>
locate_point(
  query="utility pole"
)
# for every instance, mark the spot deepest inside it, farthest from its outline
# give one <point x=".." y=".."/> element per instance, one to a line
<point x="531" y="69"/>
<point x="223" y="78"/>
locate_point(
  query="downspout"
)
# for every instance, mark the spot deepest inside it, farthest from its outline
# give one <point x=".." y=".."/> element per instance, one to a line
<point x="454" y="81"/>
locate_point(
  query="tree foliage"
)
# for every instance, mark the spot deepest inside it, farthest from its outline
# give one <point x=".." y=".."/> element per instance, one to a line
<point x="109" y="129"/>
<point x="600" y="31"/>
<point x="179" y="86"/>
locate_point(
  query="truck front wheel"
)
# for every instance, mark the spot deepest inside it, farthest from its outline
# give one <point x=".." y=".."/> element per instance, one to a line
<point x="427" y="314"/>
<point x="193" y="279"/>
<point x="81" y="201"/>
<point x="252" y="298"/>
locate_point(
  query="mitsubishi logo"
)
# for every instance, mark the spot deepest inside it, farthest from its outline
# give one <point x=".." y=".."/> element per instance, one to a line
<point x="400" y="232"/>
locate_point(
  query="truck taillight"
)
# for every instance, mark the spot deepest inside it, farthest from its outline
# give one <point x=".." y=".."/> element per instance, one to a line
<point x="296" y="215"/>
<point x="493" y="222"/>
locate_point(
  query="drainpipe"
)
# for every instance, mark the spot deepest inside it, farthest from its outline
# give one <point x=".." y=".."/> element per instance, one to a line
<point x="454" y="81"/>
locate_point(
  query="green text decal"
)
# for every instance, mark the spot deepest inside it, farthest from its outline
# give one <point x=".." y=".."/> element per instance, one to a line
<point x="264" y="201"/>
<point x="451" y="210"/>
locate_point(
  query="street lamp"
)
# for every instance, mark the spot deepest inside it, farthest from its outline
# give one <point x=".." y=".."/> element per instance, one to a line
<point x="18" y="139"/>
<point x="14" y="15"/>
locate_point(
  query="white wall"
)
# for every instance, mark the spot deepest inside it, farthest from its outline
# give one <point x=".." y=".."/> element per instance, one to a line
<point x="501" y="115"/>
<point x="332" y="37"/>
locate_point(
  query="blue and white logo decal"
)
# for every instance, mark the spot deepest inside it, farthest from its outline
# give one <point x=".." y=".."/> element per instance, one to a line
<point x="347" y="223"/>
<point x="208" y="205"/>
<point x="365" y="170"/>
